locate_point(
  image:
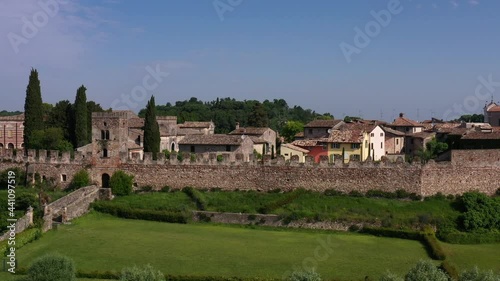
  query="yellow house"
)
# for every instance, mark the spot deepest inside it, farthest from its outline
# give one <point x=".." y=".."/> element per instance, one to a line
<point x="348" y="144"/>
<point x="288" y="150"/>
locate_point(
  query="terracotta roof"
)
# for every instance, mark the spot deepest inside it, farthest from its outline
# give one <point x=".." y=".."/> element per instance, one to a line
<point x="322" y="123"/>
<point x="495" y="108"/>
<point x="307" y="143"/>
<point x="457" y="131"/>
<point x="422" y="135"/>
<point x="189" y="131"/>
<point x="346" y="136"/>
<point x="195" y="124"/>
<point x="133" y="145"/>
<point x="19" y="117"/>
<point x="291" y="146"/>
<point x="367" y="127"/>
<point x="249" y="131"/>
<point x="405" y="122"/>
<point x="217" y="139"/>
<point x="481" y="136"/>
<point x="391" y="131"/>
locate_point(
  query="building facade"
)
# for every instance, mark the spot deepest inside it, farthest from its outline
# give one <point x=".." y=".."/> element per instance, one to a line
<point x="11" y="132"/>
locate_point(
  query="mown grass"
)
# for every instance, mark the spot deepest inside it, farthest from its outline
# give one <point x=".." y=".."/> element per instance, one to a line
<point x="484" y="256"/>
<point x="102" y="242"/>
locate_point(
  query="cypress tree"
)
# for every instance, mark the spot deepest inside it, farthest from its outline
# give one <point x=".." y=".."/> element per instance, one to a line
<point x="151" y="129"/>
<point x="33" y="109"/>
<point x="80" y="110"/>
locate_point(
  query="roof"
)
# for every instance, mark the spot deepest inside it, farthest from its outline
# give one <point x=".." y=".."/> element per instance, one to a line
<point x="293" y="147"/>
<point x="391" y="131"/>
<point x="195" y="124"/>
<point x="307" y="143"/>
<point x="250" y="131"/>
<point x="19" y="117"/>
<point x="257" y="140"/>
<point x="495" y="108"/>
<point x="188" y="131"/>
<point x="367" y="127"/>
<point x="495" y="135"/>
<point x="136" y="122"/>
<point x="422" y="135"/>
<point x="133" y="145"/>
<point x="217" y="139"/>
<point x="402" y="121"/>
<point x="346" y="136"/>
<point x="322" y="123"/>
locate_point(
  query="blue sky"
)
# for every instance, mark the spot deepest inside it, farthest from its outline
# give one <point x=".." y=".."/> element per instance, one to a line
<point x="425" y="61"/>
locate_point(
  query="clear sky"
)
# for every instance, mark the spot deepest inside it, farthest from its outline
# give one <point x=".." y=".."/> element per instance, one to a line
<point x="424" y="61"/>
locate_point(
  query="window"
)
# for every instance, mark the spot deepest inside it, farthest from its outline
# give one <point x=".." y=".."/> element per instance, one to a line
<point x="381" y="145"/>
<point x="371" y="146"/>
<point x="64" y="178"/>
<point x="356" y="157"/>
<point x="411" y="141"/>
<point x="192" y="148"/>
<point x="397" y="141"/>
<point x="105" y="124"/>
<point x="325" y="146"/>
<point x="9" y="134"/>
<point x="335" y="145"/>
<point x="228" y="148"/>
<point x="310" y="131"/>
<point x="354" y="145"/>
<point x="103" y="135"/>
<point x="407" y="129"/>
<point x="286" y="154"/>
<point x="107" y="134"/>
<point x="366" y="144"/>
<point x="104" y="153"/>
<point x="372" y="134"/>
<point x="381" y="134"/>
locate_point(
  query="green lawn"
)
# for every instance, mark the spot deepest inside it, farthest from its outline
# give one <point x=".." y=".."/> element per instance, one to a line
<point x="484" y="256"/>
<point x="102" y="242"/>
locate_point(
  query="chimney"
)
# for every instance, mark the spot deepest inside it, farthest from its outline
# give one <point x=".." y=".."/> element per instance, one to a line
<point x="401" y="115"/>
<point x="237" y="125"/>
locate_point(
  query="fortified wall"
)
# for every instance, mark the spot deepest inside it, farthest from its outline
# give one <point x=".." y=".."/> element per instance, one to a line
<point x="468" y="170"/>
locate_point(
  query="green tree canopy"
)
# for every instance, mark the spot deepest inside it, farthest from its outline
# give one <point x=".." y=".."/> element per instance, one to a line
<point x="33" y="109"/>
<point x="290" y="129"/>
<point x="81" y="117"/>
<point x="151" y="129"/>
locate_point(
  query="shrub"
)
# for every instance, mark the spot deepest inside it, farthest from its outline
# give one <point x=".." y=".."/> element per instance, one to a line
<point x="22" y="239"/>
<point x="457" y="237"/>
<point x="166" y="188"/>
<point x="333" y="192"/>
<point x="380" y="194"/>
<point x="193" y="157"/>
<point x="220" y="158"/>
<point x="355" y="193"/>
<point x="146" y="273"/>
<point x="310" y="275"/>
<point x="497" y="193"/>
<point x="147" y="188"/>
<point x="24" y="200"/>
<point x="425" y="270"/>
<point x="389" y="276"/>
<point x="476" y="275"/>
<point x="52" y="268"/>
<point x="81" y="179"/>
<point x="121" y="183"/>
<point x="180" y="158"/>
<point x="20" y="177"/>
<point x="401" y="194"/>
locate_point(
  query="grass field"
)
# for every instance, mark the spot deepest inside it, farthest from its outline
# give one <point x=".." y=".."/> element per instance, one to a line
<point x="484" y="256"/>
<point x="102" y="242"/>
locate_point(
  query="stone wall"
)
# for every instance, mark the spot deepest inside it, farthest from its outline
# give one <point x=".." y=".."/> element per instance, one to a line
<point x="72" y="205"/>
<point x="468" y="170"/>
<point x="22" y="224"/>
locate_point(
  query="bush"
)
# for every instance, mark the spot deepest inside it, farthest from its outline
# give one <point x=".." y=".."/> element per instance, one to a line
<point x="476" y="275"/>
<point x="355" y="193"/>
<point x="140" y="214"/>
<point x="147" y="188"/>
<point x="380" y="194"/>
<point x="220" y="158"/>
<point x="193" y="157"/>
<point x="180" y="158"/>
<point x="121" y="183"/>
<point x="146" y="273"/>
<point x="25" y="200"/>
<point x="52" y="268"/>
<point x="425" y="270"/>
<point x="480" y="211"/>
<point x="20" y="177"/>
<point x="457" y="237"/>
<point x="309" y="275"/>
<point x="80" y="179"/>
<point x="389" y="276"/>
<point x="166" y="188"/>
<point x="333" y="192"/>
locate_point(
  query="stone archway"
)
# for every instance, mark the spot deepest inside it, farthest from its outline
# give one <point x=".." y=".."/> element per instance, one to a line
<point x="173" y="147"/>
<point x="105" y="180"/>
<point x="10" y="146"/>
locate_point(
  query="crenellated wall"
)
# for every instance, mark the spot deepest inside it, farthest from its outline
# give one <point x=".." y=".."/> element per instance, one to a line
<point x="468" y="170"/>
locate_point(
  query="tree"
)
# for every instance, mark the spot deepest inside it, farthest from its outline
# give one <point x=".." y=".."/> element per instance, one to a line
<point x="476" y="275"/>
<point x="146" y="273"/>
<point x="92" y="106"/>
<point x="425" y="270"/>
<point x="33" y="109"/>
<point x="432" y="149"/>
<point x="121" y="183"/>
<point x="258" y="117"/>
<point x="80" y="179"/>
<point x="290" y="129"/>
<point x="60" y="117"/>
<point x="81" y="116"/>
<point x="50" y="139"/>
<point x="52" y="268"/>
<point x="151" y="129"/>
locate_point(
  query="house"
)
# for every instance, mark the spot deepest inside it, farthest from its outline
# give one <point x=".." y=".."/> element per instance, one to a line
<point x="394" y="142"/>
<point x="492" y="114"/>
<point x="347" y="144"/>
<point x="406" y="125"/>
<point x="288" y="150"/>
<point x="172" y="133"/>
<point x="320" y="128"/>
<point x="216" y="143"/>
<point x="316" y="147"/>
<point x="11" y="132"/>
<point x="417" y="141"/>
<point x="264" y="138"/>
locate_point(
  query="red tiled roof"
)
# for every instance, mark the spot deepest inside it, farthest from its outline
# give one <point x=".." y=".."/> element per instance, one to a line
<point x="495" y="108"/>
<point x="405" y="122"/>
<point x="249" y="131"/>
<point x="482" y="136"/>
<point x="322" y="123"/>
<point x="307" y="143"/>
<point x="346" y="136"/>
<point x="294" y="147"/>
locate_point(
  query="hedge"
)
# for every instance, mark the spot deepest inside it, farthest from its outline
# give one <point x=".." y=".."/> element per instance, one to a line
<point x="290" y="197"/>
<point x="428" y="239"/>
<point x="22" y="239"/>
<point x="197" y="197"/>
<point x="456" y="237"/>
<point x="140" y="214"/>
